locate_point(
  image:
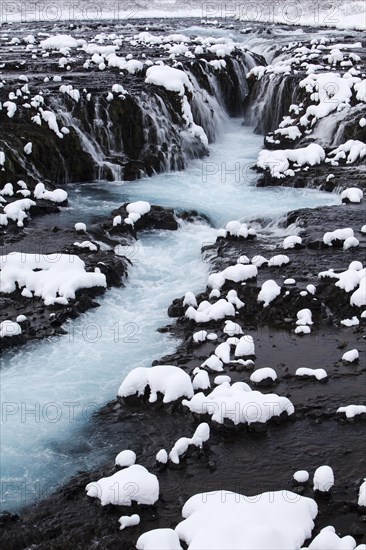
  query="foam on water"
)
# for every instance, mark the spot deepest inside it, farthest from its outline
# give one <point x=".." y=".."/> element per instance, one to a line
<point x="50" y="389"/>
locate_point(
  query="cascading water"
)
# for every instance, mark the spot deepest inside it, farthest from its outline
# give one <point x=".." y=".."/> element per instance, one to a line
<point x="51" y="388"/>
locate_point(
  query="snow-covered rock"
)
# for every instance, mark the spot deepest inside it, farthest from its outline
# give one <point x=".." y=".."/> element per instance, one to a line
<point x="159" y="539"/>
<point x="225" y="520"/>
<point x="262" y="374"/>
<point x="319" y="374"/>
<point x="134" y="483"/>
<point x="269" y="291"/>
<point x="128" y="521"/>
<point x="125" y="458"/>
<point x="352" y="410"/>
<point x="301" y="476"/>
<point x="362" y="495"/>
<point x="328" y="539"/>
<point x="169" y="380"/>
<point x="239" y="404"/>
<point x="9" y="328"/>
<point x="350" y="356"/>
<point x="352" y="194"/>
<point x="323" y="479"/>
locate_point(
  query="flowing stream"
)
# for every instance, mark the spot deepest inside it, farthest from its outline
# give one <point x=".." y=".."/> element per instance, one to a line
<point x="50" y="389"/>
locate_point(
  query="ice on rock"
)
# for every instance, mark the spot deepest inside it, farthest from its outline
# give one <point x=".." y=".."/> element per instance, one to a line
<point x="352" y="194"/>
<point x="134" y="483"/>
<point x="319" y="374"/>
<point x="292" y="242"/>
<point x="323" y="479"/>
<point x="362" y="494"/>
<point x="269" y="291"/>
<point x="125" y="458"/>
<point x="245" y="347"/>
<point x="169" y="380"/>
<point x="328" y="539"/>
<point x="9" y="328"/>
<point x="301" y="476"/>
<point x="223" y="520"/>
<point x="262" y="374"/>
<point x="57" y="279"/>
<point x="352" y="410"/>
<point x="159" y="539"/>
<point x="350" y="356"/>
<point x="128" y="521"/>
<point x="239" y="404"/>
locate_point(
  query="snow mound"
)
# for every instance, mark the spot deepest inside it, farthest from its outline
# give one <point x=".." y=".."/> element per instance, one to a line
<point x="171" y="381"/>
<point x="278" y="161"/>
<point x="338" y="234"/>
<point x="131" y="484"/>
<point x="239" y="404"/>
<point x="292" y="241"/>
<point x="362" y="494"/>
<point x="223" y="520"/>
<point x="278" y="260"/>
<point x="58" y="42"/>
<point x="211" y="312"/>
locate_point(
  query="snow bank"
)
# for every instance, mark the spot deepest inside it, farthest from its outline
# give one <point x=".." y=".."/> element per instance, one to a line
<point x="56" y="280"/>
<point x="131" y="484"/>
<point x="171" y="381"/>
<point x="239" y="404"/>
